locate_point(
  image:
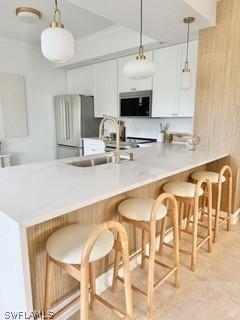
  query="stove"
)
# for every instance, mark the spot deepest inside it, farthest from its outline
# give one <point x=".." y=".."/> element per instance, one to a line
<point x="129" y="143"/>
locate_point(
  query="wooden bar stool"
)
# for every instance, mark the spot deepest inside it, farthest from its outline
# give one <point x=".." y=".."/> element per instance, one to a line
<point x="143" y="214"/>
<point x="75" y="248"/>
<point x="217" y="180"/>
<point x="188" y="195"/>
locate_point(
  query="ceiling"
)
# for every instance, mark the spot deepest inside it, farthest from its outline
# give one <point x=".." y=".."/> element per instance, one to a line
<point x="80" y="21"/>
<point x="163" y="19"/>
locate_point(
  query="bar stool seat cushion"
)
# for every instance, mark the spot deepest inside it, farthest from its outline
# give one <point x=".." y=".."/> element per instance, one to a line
<point x="211" y="176"/>
<point x="67" y="244"/>
<point x="181" y="189"/>
<point x="140" y="209"/>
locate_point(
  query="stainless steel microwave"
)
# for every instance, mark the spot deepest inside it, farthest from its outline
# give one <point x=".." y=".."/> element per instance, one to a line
<point x="136" y="104"/>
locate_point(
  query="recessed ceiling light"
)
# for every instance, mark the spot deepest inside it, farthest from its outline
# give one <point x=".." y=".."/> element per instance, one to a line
<point x="28" y="15"/>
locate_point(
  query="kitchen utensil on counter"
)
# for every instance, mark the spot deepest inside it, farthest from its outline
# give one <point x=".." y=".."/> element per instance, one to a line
<point x="168" y="137"/>
<point x="163" y="131"/>
<point x="192" y="142"/>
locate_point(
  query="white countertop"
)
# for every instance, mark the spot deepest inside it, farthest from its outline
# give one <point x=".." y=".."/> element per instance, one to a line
<point x="34" y="193"/>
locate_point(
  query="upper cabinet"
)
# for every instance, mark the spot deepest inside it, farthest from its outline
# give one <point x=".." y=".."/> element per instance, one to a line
<point x="168" y="98"/>
<point x="106" y="81"/>
<point x="105" y="89"/>
<point x="81" y="81"/>
<point x="126" y="84"/>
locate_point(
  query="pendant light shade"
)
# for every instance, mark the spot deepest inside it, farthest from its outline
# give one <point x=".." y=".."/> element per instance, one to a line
<point x="57" y="43"/>
<point x="186" y="80"/>
<point x="141" y="68"/>
<point x="186" y="77"/>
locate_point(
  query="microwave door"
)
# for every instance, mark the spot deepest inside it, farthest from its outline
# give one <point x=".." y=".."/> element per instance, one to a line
<point x="135" y="105"/>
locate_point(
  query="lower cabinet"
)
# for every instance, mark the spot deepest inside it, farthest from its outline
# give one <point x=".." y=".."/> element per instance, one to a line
<point x="105" y="89"/>
<point x="169" y="100"/>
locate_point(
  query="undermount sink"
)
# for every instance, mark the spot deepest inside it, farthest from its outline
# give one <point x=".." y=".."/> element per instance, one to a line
<point x="86" y="163"/>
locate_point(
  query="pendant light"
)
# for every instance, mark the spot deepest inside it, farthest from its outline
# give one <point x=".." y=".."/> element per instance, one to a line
<point x="140" y="68"/>
<point x="57" y="43"/>
<point x="186" y="79"/>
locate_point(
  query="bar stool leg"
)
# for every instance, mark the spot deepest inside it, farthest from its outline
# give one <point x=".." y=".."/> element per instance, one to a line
<point x="218" y="209"/>
<point x="162" y="235"/>
<point x="117" y="261"/>
<point x="92" y="284"/>
<point x="176" y="248"/>
<point x="144" y="244"/>
<point x="181" y="210"/>
<point x="229" y="202"/>
<point x="194" y="235"/>
<point x="48" y="285"/>
<point x="151" y="271"/>
<point x="84" y="291"/>
<point x="209" y="199"/>
<point x="190" y="210"/>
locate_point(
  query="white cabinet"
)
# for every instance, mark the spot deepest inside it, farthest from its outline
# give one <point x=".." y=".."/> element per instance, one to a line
<point x="168" y="98"/>
<point x="165" y="82"/>
<point x="126" y="84"/>
<point x="105" y="89"/>
<point x="81" y="81"/>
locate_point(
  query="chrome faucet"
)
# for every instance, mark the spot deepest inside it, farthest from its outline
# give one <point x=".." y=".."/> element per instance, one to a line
<point x="117" y="126"/>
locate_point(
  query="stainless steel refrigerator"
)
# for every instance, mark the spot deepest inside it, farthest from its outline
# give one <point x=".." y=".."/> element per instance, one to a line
<point x="74" y="120"/>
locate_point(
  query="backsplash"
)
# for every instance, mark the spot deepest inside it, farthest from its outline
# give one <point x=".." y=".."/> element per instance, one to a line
<point x="149" y="128"/>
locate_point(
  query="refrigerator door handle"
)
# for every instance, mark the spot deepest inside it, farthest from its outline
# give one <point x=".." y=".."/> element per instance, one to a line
<point x="68" y="124"/>
<point x="63" y="119"/>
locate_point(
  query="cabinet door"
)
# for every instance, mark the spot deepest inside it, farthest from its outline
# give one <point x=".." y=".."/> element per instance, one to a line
<point x="144" y="84"/>
<point x="166" y="81"/>
<point x="105" y="89"/>
<point x="111" y="88"/>
<point x="99" y="90"/>
<point x="187" y="97"/>
<point x="126" y="84"/>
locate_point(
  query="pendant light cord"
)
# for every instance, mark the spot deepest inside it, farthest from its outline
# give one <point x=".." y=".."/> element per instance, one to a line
<point x="141" y="24"/>
<point x="141" y="50"/>
<point x="188" y="34"/>
<point x="56" y="13"/>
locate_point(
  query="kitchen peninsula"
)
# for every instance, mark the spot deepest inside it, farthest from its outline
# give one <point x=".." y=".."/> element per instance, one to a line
<point x="37" y="199"/>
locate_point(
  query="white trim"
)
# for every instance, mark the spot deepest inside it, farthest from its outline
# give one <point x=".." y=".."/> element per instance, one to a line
<point x="101" y="33"/>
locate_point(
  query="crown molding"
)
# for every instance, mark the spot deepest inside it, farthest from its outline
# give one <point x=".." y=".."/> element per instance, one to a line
<point x="101" y="33"/>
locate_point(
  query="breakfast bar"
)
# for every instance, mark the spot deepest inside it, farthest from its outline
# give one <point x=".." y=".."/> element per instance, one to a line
<point x="38" y="199"/>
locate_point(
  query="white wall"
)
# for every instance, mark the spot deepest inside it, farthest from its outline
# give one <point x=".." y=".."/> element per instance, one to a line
<point x="42" y="83"/>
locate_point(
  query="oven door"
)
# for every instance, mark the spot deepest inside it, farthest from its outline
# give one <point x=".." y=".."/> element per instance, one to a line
<point x="136" y="104"/>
